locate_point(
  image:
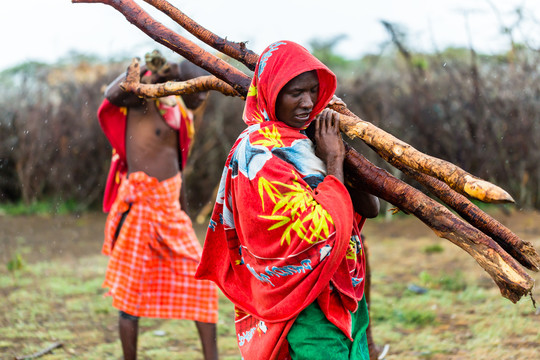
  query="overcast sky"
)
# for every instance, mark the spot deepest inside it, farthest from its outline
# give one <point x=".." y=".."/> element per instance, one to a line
<point x="45" y="30"/>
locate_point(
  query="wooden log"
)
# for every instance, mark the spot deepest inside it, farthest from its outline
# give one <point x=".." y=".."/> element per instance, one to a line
<point x="521" y="250"/>
<point x="512" y="280"/>
<point x="237" y="51"/>
<point x="200" y="84"/>
<point x="394" y="150"/>
<point x="454" y="176"/>
<point x="451" y="174"/>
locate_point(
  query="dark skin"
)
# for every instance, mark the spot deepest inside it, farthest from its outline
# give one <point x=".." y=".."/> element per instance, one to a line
<point x="294" y="104"/>
<point x="152" y="147"/>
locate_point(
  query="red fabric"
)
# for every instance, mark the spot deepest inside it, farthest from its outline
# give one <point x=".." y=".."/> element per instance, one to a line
<point x="272" y="74"/>
<point x="113" y="121"/>
<point x="282" y="233"/>
<point x="154" y="254"/>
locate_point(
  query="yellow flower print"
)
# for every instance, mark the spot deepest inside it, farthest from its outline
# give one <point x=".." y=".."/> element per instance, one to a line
<point x="351" y="250"/>
<point x="252" y="91"/>
<point x="272" y="137"/>
<point x="295" y="209"/>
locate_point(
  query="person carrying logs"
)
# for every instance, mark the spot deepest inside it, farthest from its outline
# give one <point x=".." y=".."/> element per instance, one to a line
<point x="283" y="242"/>
<point x="152" y="247"/>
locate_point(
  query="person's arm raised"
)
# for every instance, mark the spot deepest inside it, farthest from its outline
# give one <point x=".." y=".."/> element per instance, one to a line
<point x="119" y="97"/>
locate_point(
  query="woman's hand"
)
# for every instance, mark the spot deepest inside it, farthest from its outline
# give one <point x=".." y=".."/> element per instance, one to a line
<point x="329" y="145"/>
<point x="336" y="101"/>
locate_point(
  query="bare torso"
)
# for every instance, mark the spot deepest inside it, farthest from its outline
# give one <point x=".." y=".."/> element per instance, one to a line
<point x="151" y="145"/>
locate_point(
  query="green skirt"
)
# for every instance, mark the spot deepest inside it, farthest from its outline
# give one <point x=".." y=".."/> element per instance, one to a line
<point x="313" y="337"/>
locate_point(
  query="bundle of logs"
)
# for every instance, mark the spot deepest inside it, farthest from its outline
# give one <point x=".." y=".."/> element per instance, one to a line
<point x="500" y="252"/>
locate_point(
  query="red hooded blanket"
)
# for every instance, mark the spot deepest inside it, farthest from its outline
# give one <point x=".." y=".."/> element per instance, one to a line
<point x="282" y="233"/>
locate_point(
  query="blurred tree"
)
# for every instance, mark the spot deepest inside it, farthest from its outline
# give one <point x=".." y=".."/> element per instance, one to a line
<point x="324" y="50"/>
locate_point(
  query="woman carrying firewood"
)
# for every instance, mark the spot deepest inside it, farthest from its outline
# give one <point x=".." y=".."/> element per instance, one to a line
<point x="283" y="242"/>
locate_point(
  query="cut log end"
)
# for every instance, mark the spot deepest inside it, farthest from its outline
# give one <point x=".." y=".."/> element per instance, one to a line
<point x="514" y="293"/>
<point x="512" y="280"/>
<point x="513" y="286"/>
<point x="486" y="191"/>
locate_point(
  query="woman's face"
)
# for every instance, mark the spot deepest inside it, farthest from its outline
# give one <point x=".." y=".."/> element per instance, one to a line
<point x="297" y="98"/>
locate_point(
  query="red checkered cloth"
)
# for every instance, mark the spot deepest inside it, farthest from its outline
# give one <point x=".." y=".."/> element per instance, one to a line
<point x="154" y="258"/>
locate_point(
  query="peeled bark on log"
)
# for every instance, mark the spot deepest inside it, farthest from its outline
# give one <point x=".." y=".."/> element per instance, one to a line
<point x="200" y="84"/>
<point x="523" y="251"/>
<point x="511" y="279"/>
<point x="392" y="149"/>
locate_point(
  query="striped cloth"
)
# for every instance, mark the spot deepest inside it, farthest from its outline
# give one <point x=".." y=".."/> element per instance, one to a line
<point x="154" y="257"/>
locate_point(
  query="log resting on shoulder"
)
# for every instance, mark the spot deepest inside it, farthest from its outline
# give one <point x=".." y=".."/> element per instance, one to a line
<point x="354" y="127"/>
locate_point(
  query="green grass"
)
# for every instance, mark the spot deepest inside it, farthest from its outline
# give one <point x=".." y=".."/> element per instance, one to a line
<point x="433" y="249"/>
<point x="450" y="282"/>
<point x="56" y="301"/>
<point x="454" y="319"/>
<point x="461" y="315"/>
<point x="44" y="208"/>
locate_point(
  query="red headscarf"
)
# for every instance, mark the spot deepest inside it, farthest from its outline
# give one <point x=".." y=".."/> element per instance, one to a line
<point x="280" y="63"/>
<point x="282" y="233"/>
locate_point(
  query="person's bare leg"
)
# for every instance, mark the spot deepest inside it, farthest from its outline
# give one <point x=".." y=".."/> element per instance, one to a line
<point x="208" y="335"/>
<point x="128" y="329"/>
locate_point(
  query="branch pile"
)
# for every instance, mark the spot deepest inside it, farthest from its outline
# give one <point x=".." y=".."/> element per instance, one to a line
<point x="500" y="252"/>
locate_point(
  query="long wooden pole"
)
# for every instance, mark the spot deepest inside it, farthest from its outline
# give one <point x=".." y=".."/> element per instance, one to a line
<point x="237" y="51"/>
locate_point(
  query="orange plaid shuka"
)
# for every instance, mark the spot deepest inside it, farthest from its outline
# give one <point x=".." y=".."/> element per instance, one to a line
<point x="155" y="253"/>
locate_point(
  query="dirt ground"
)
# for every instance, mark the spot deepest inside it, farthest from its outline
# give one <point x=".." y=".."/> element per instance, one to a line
<point x="398" y="259"/>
